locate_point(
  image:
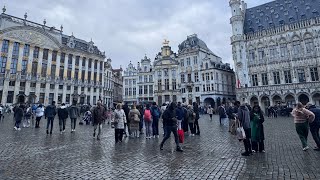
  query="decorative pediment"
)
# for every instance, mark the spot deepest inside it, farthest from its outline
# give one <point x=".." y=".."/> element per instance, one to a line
<point x="29" y="36"/>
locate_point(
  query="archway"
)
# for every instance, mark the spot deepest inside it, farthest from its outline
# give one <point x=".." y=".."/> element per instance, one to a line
<point x="254" y="101"/>
<point x="265" y="103"/>
<point x="276" y="100"/>
<point x="218" y="101"/>
<point x="209" y="101"/>
<point x="303" y="98"/>
<point x="316" y="99"/>
<point x="289" y="100"/>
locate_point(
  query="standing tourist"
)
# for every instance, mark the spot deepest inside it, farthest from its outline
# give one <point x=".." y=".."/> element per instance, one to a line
<point x="147" y="117"/>
<point x="134" y="118"/>
<point x="191" y="119"/>
<point x="50" y="113"/>
<point x="126" y="110"/>
<point x="118" y="122"/>
<point x="140" y="108"/>
<point x="180" y="115"/>
<point x="73" y="114"/>
<point x="98" y="116"/>
<point x="163" y="108"/>
<point x="63" y="115"/>
<point x="39" y="114"/>
<point x="18" y="116"/>
<point x="196" y="121"/>
<point x="302" y="117"/>
<point x="222" y="114"/>
<point x="231" y="112"/>
<point x="155" y="110"/>
<point x="170" y="125"/>
<point x="315" y="125"/>
<point x="210" y="112"/>
<point x="244" y="119"/>
<point x="27" y="116"/>
<point x="257" y="133"/>
<point x="1" y="112"/>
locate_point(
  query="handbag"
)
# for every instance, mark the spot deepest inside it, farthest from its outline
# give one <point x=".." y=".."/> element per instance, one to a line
<point x="241" y="135"/>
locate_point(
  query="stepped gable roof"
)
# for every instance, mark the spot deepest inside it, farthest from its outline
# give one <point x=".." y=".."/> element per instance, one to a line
<point x="278" y="13"/>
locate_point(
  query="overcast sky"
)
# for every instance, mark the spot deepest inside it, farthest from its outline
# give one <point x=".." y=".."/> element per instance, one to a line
<point x="128" y="29"/>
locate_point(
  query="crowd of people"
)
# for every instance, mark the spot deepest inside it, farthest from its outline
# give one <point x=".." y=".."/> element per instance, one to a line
<point x="145" y="119"/>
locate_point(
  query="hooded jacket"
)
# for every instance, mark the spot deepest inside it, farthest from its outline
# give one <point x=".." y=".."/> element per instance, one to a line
<point x="63" y="112"/>
<point x="73" y="112"/>
<point x="169" y="117"/>
<point x="244" y="116"/>
<point x="316" y="112"/>
<point x="50" y="111"/>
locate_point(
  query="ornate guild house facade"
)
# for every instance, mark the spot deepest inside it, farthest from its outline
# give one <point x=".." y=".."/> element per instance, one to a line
<point x="276" y="49"/>
<point x="40" y="64"/>
<point x="195" y="74"/>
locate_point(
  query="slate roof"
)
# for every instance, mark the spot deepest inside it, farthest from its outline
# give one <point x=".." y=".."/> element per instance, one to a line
<point x="193" y="41"/>
<point x="278" y="13"/>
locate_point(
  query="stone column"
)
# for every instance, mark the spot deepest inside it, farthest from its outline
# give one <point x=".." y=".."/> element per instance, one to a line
<point x="39" y="74"/>
<point x="47" y="90"/>
<point x="64" y="92"/>
<point x="6" y="81"/>
<point x="18" y="75"/>
<point x="72" y="77"/>
<point x="56" y="86"/>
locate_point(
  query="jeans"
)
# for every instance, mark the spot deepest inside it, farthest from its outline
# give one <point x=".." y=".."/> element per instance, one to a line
<point x="196" y="126"/>
<point x="168" y="130"/>
<point x="62" y="124"/>
<point x="303" y="130"/>
<point x="191" y="125"/>
<point x="99" y="126"/>
<point x="50" y="121"/>
<point x="17" y="124"/>
<point x="73" y="123"/>
<point x="118" y="134"/>
<point x="141" y="125"/>
<point x="258" y="146"/>
<point x="314" y="128"/>
<point x="155" y="126"/>
<point x="247" y="141"/>
<point x="148" y="125"/>
<point x="38" y="121"/>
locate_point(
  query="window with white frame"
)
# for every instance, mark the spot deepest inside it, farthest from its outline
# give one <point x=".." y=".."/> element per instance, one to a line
<point x="287" y="76"/>
<point x="314" y="74"/>
<point x="254" y="78"/>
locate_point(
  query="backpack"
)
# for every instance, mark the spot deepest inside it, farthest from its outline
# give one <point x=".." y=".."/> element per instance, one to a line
<point x="147" y="115"/>
<point x="28" y="113"/>
<point x="156" y="112"/>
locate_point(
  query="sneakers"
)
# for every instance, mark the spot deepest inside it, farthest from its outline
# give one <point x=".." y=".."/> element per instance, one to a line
<point x="253" y="151"/>
<point x="47" y="131"/>
<point x="263" y="151"/>
<point x="179" y="149"/>
<point x="19" y="129"/>
<point x="94" y="134"/>
<point x="161" y="147"/>
<point x="15" y="128"/>
<point x="50" y="132"/>
<point x="305" y="148"/>
<point x="61" y="132"/>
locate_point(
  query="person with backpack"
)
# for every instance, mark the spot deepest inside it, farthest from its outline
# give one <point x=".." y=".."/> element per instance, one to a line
<point x="73" y="114"/>
<point x="155" y="112"/>
<point x="222" y="114"/>
<point x="191" y="119"/>
<point x="170" y="125"/>
<point x="118" y="122"/>
<point x="63" y="115"/>
<point x="134" y="118"/>
<point x="147" y="117"/>
<point x="244" y="119"/>
<point x="50" y="113"/>
<point x="18" y="116"/>
<point x="27" y="116"/>
<point x="39" y="114"/>
<point x="98" y="116"/>
<point x="196" y="121"/>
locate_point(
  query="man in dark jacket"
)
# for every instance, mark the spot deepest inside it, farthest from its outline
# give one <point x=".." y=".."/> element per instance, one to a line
<point x="74" y="113"/>
<point x="98" y="117"/>
<point x="170" y="123"/>
<point x="18" y="115"/>
<point x="244" y="118"/>
<point x="222" y="113"/>
<point x="50" y="113"/>
<point x="155" y="112"/>
<point x="180" y="114"/>
<point x="315" y="125"/>
<point x="63" y="115"/>
<point x="196" y="121"/>
<point x="126" y="110"/>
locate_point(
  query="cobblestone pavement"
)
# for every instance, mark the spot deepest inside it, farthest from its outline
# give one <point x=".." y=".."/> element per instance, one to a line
<point x="31" y="154"/>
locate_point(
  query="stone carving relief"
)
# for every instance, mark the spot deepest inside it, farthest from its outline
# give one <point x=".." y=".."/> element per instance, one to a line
<point x="31" y="37"/>
<point x="71" y="42"/>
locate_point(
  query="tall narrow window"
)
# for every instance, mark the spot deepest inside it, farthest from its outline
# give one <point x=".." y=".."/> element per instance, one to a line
<point x="13" y="66"/>
<point x="182" y="78"/>
<point x="287" y="76"/>
<point x="196" y="77"/>
<point x="44" y="69"/>
<point x="273" y="51"/>
<point x="182" y="62"/>
<point x="150" y="89"/>
<point x="251" y="55"/>
<point x="314" y="74"/>
<point x="145" y="89"/>
<point x="61" y="72"/>
<point x="53" y="71"/>
<point x="159" y="85"/>
<point x="34" y="69"/>
<point x="5" y="46"/>
<point x="140" y="90"/>
<point x="283" y="50"/>
<point x="276" y="77"/>
<point x="24" y="65"/>
<point x="188" y="62"/>
<point x="264" y="78"/>
<point x="254" y="79"/>
<point x="62" y="58"/>
<point x="166" y="83"/>
<point x="26" y="50"/>
<point x="174" y="84"/>
<point x="36" y="52"/>
<point x="54" y="56"/>
<point x="309" y="45"/>
<point x="301" y="75"/>
<point x="296" y="47"/>
<point x="195" y="60"/>
<point x="14" y="60"/>
<point x="189" y="78"/>
<point x="261" y="54"/>
<point x="77" y="60"/>
<point x="207" y="77"/>
<point x="45" y="54"/>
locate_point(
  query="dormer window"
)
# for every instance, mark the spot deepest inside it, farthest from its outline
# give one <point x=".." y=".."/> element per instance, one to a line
<point x="291" y="19"/>
<point x="145" y="68"/>
<point x="281" y="22"/>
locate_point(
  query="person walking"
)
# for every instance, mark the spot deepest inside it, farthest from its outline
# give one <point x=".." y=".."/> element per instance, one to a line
<point x="257" y="132"/>
<point x="1" y="112"/>
<point x="180" y="115"/>
<point x="162" y="109"/>
<point x="222" y="114"/>
<point x="18" y="116"/>
<point x="302" y="117"/>
<point x="126" y="110"/>
<point x="155" y="112"/>
<point x="50" y="113"/>
<point x="39" y="114"/>
<point x="63" y="115"/>
<point x="315" y="125"/>
<point x="134" y="118"/>
<point x="98" y="116"/>
<point x="210" y="112"/>
<point x="27" y="117"/>
<point x="196" y="121"/>
<point x="118" y="122"/>
<point x="147" y="117"/>
<point x="244" y="119"/>
<point x="73" y="114"/>
<point x="191" y="119"/>
<point x="170" y="124"/>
